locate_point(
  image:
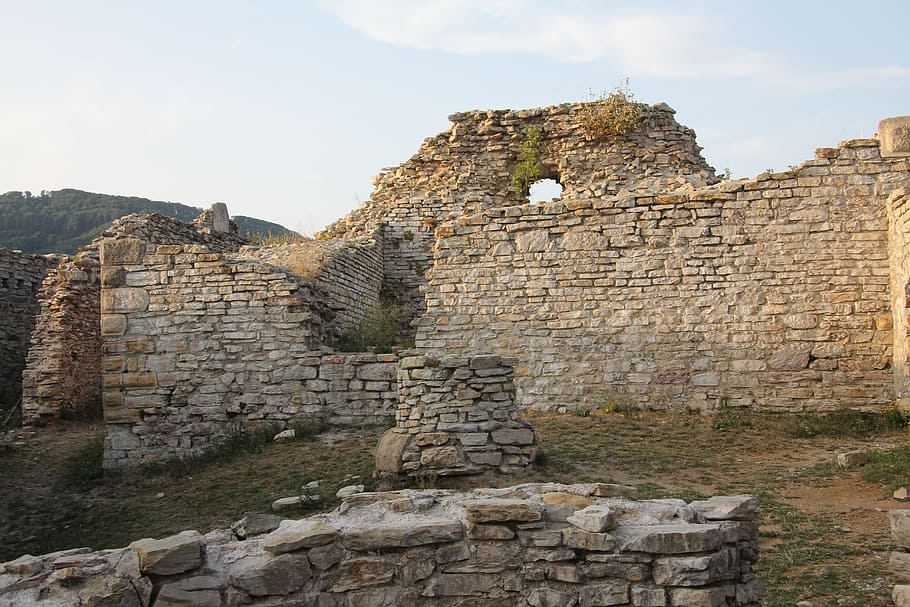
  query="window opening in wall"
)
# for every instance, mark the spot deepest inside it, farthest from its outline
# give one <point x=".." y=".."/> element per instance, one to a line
<point x="544" y="190"/>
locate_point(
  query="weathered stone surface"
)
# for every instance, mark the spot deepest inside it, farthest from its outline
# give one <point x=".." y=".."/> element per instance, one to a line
<point x="900" y="594"/>
<point x="293" y="535"/>
<point x="254" y="524"/>
<point x="441" y="457"/>
<point x="733" y="508"/>
<point x="696" y="570"/>
<point x="596" y="519"/>
<point x="264" y="576"/>
<point x="900" y="527"/>
<point x="358" y="573"/>
<point x="376" y="538"/>
<point x="894" y="134"/>
<point x="170" y="555"/>
<point x="900" y="565"/>
<point x="853" y="459"/>
<point x="200" y="591"/>
<point x="495" y="510"/>
<point x="671" y="539"/>
<point x="700" y="597"/>
<point x="390" y="449"/>
<point x="612" y="490"/>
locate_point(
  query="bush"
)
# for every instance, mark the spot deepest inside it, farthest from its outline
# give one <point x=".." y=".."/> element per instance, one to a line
<point x="528" y="170"/>
<point x="613" y="115"/>
<point x="378" y="331"/>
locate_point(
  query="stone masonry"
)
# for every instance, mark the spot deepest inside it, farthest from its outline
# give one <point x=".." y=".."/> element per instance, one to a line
<point x="535" y="545"/>
<point x="467" y="169"/>
<point x="20" y="278"/>
<point x="63" y="372"/>
<point x="456" y="415"/>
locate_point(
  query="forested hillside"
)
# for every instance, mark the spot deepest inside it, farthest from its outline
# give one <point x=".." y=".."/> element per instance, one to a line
<point x="64" y="220"/>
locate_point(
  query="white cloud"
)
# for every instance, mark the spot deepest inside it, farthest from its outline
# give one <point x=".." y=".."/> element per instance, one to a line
<point x="663" y="44"/>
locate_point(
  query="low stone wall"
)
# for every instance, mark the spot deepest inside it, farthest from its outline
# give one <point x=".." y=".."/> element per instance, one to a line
<point x="21" y="276"/>
<point x="456" y="415"/>
<point x="63" y="369"/>
<point x="539" y="545"/>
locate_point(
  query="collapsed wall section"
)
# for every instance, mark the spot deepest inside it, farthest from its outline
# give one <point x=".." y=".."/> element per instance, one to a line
<point x="770" y="293"/>
<point x="62" y="374"/>
<point x="469" y="167"/>
<point x="540" y="544"/>
<point x="198" y="344"/>
<point x="21" y="276"/>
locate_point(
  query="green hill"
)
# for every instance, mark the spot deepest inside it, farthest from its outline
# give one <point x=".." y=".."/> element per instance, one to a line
<point x="65" y="220"/>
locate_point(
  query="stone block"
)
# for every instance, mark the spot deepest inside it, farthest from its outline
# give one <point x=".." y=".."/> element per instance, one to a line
<point x="894" y="134"/>
<point x="510" y="436"/>
<point x="573" y="537"/>
<point x="900" y="527"/>
<point x="122" y="252"/>
<point x="900" y="594"/>
<point x="266" y="576"/>
<point x="853" y="459"/>
<point x="293" y="535"/>
<point x="441" y="457"/>
<point x="696" y="570"/>
<point x="397" y="536"/>
<point x="199" y="591"/>
<point x="700" y="597"/>
<point x="499" y="510"/>
<point x="170" y="555"/>
<point x="357" y="573"/>
<point x="596" y="519"/>
<point x="124" y="300"/>
<point x="729" y="508"/>
<point x="390" y="449"/>
<point x="670" y="539"/>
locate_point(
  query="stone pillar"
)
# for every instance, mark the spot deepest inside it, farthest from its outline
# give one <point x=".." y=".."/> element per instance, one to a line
<point x="456" y="415"/>
<point x="221" y="221"/>
<point x="894" y="134"/>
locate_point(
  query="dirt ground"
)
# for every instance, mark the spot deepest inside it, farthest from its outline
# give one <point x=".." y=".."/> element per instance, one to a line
<point x="824" y="531"/>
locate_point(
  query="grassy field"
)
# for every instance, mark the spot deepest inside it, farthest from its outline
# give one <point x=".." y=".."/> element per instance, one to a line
<point x="824" y="530"/>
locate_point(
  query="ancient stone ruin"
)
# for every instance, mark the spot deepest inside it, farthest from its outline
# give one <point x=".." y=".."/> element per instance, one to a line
<point x="539" y="545"/>
<point x="650" y="283"/>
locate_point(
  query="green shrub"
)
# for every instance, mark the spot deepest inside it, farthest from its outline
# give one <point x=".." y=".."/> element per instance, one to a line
<point x="378" y="332"/>
<point x="528" y="169"/>
<point x="612" y="115"/>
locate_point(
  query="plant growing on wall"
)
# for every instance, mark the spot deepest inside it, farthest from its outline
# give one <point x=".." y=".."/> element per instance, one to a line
<point x="528" y="169"/>
<point x="612" y="115"/>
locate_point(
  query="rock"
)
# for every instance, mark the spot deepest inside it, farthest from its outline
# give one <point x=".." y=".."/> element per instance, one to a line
<point x="497" y="510"/>
<point x="596" y="519"/>
<point x="441" y="457"/>
<point x="670" y="539"/>
<point x="358" y="573"/>
<point x="701" y="597"/>
<point x="696" y="570"/>
<point x="349" y="491"/>
<point x="900" y="594"/>
<point x="390" y="449"/>
<point x="170" y="555"/>
<point x="853" y="459"/>
<point x="264" y="576"/>
<point x="253" y="524"/>
<point x="729" y="508"/>
<point x="519" y="436"/>
<point x="285" y="435"/>
<point x="900" y="565"/>
<point x="389" y="536"/>
<point x="900" y="527"/>
<point x="200" y="591"/>
<point x="902" y="494"/>
<point x="293" y="502"/>
<point x="294" y="535"/>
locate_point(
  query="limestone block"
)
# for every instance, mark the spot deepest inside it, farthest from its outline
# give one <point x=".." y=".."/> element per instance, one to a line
<point x="670" y="539"/>
<point x="648" y="596"/>
<point x="441" y="457"/>
<point x="900" y="527"/>
<point x="900" y="594"/>
<point x="254" y="524"/>
<point x="266" y="576"/>
<point x="696" y="570"/>
<point x="729" y="508"/>
<point x="900" y="565"/>
<point x="853" y="459"/>
<point x="596" y="519"/>
<point x="198" y="591"/>
<point x="396" y="536"/>
<point x="613" y="592"/>
<point x="124" y="299"/>
<point x="490" y="532"/>
<point x="572" y="537"/>
<point x="461" y="584"/>
<point x="170" y="555"/>
<point x="894" y="134"/>
<point x="391" y="446"/>
<point x="499" y="510"/>
<point x="293" y="535"/>
<point x="700" y="597"/>
<point x="122" y="252"/>
<point x="513" y="436"/>
<point x="547" y="597"/>
<point x="325" y="556"/>
<point x="377" y="372"/>
<point x="612" y="490"/>
<point x="361" y="572"/>
<point x="790" y="358"/>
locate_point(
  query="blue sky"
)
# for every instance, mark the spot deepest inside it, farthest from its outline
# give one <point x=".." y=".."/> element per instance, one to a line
<point x="284" y="110"/>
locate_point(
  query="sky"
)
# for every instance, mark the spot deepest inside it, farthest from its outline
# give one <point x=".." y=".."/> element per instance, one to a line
<point x="285" y="110"/>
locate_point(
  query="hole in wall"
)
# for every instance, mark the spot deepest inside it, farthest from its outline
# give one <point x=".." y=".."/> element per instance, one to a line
<point x="544" y="190"/>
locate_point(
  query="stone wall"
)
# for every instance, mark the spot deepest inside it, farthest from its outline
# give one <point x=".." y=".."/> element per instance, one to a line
<point x="899" y="250"/>
<point x="456" y="415"/>
<point x="538" y="545"/>
<point x="63" y="373"/>
<point x="21" y="276"/>
<point x="197" y="343"/>
<point x="770" y="293"/>
<point x="469" y="167"/>
<point x="346" y="273"/>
